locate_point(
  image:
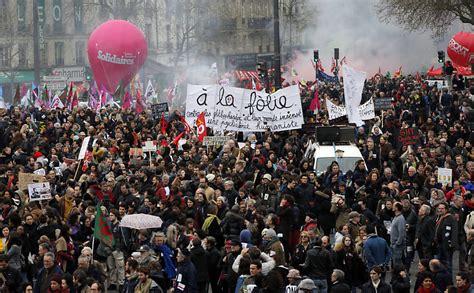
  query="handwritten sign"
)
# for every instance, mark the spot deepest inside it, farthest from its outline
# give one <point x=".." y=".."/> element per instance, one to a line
<point x="409" y="136"/>
<point x="353" y="87"/>
<point x="237" y="109"/>
<point x="39" y="191"/>
<point x="366" y="110"/>
<point x="200" y="98"/>
<point x="215" y="140"/>
<point x="445" y="176"/>
<point x="159" y="109"/>
<point x="383" y="104"/>
<point x="24" y="179"/>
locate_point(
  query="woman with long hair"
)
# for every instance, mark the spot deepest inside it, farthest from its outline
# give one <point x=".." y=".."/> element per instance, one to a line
<point x="350" y="263"/>
<point x="65" y="249"/>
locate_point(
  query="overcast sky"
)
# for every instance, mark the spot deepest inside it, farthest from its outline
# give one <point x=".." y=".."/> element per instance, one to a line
<point x="354" y="27"/>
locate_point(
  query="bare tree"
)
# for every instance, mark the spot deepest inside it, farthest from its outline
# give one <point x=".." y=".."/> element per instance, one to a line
<point x="434" y="15"/>
<point x="117" y="9"/>
<point x="10" y="45"/>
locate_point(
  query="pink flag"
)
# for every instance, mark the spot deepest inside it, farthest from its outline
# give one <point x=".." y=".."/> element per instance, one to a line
<point x="126" y="101"/>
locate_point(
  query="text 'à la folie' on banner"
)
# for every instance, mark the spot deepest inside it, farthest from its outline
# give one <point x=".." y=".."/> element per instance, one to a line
<point x="353" y="86"/>
<point x="366" y="110"/>
<point x="236" y="109"/>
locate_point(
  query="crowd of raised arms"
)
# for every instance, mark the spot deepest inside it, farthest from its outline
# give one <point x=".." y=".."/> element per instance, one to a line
<point x="252" y="217"/>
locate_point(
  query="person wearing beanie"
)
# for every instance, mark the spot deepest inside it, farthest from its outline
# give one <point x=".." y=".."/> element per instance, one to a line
<point x="274" y="247"/>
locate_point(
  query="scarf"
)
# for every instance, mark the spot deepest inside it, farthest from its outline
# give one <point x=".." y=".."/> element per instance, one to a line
<point x="143" y="287"/>
<point x="424" y="290"/>
<point x="208" y="222"/>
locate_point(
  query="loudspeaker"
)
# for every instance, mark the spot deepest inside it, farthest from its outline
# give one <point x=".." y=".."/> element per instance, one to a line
<point x="336" y="53"/>
<point x="335" y="134"/>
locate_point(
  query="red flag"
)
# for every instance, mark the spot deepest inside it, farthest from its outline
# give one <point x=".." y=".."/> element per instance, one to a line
<point x="75" y="101"/>
<point x="69" y="96"/>
<point x="87" y="160"/>
<point x="397" y="73"/>
<point x="187" y="128"/>
<point x="315" y="104"/>
<point x="163" y="124"/>
<point x="176" y="139"/>
<point x="139" y="104"/>
<point x="126" y="101"/>
<point x="201" y="127"/>
<point x="418" y="78"/>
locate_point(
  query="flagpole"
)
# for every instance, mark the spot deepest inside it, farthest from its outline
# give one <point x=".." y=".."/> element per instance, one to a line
<point x="93" y="244"/>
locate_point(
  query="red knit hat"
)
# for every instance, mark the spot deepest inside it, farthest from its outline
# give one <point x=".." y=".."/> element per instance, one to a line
<point x="37" y="155"/>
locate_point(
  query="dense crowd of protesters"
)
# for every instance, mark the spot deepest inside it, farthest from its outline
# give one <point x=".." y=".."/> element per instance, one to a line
<point x="254" y="218"/>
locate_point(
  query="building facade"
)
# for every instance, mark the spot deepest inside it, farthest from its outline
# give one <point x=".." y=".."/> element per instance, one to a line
<point x="232" y="33"/>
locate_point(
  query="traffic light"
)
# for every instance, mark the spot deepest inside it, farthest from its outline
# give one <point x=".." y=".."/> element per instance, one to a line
<point x="441" y="57"/>
<point x="315" y="56"/>
<point x="262" y="69"/>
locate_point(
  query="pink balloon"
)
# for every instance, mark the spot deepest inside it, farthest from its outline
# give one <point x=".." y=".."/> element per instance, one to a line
<point x="461" y="49"/>
<point x="117" y="49"/>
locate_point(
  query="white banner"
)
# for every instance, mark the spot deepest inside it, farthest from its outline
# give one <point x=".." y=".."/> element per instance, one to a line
<point x="200" y="98"/>
<point x="353" y="86"/>
<point x="238" y="109"/>
<point x="335" y="111"/>
<point x="56" y="103"/>
<point x="367" y="110"/>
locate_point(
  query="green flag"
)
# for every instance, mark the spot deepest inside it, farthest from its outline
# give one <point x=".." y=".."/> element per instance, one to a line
<point x="102" y="228"/>
<point x="119" y="92"/>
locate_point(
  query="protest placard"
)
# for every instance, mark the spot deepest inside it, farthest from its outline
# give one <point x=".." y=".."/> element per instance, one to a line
<point x="215" y="140"/>
<point x="445" y="176"/>
<point x="39" y="191"/>
<point x="149" y="146"/>
<point x="135" y="152"/>
<point x="382" y="104"/>
<point x="82" y="152"/>
<point x="28" y="178"/>
<point x="159" y="110"/>
<point x="408" y="136"/>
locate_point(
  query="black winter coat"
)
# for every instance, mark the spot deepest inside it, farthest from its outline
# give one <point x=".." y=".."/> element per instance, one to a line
<point x="232" y="225"/>
<point x="340" y="287"/>
<point x="199" y="257"/>
<point x="186" y="277"/>
<point x="382" y="288"/>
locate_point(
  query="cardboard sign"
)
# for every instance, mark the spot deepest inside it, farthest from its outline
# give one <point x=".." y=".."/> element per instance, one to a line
<point x="409" y="136"/>
<point x="383" y="104"/>
<point x="150" y="146"/>
<point x="39" y="191"/>
<point x="27" y="178"/>
<point x="215" y="140"/>
<point x="445" y="176"/>
<point x="159" y="109"/>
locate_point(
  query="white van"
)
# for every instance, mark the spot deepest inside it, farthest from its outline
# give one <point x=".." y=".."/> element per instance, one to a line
<point x="345" y="154"/>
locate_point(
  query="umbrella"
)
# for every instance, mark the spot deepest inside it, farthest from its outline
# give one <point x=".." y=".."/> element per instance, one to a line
<point x="141" y="221"/>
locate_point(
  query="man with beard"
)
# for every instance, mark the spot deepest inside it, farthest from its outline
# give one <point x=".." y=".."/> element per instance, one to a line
<point x="131" y="276"/>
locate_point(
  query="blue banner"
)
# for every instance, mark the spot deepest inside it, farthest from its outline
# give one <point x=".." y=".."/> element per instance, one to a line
<point x="326" y="77"/>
